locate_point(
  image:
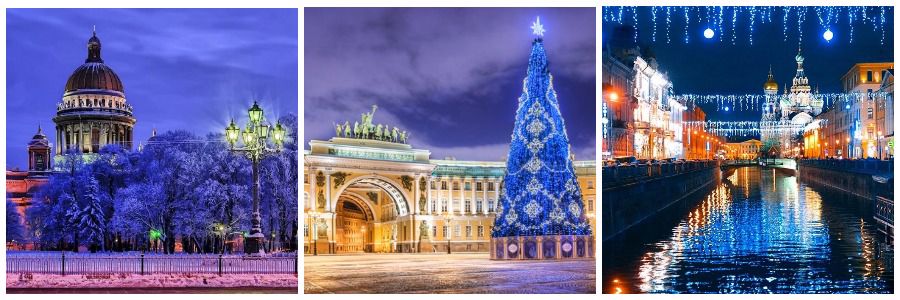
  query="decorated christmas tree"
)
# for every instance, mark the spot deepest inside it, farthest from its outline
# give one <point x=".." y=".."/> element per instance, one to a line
<point x="541" y="213"/>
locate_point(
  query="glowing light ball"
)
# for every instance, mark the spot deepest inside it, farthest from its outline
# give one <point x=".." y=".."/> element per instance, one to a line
<point x="709" y="33"/>
<point x="828" y="35"/>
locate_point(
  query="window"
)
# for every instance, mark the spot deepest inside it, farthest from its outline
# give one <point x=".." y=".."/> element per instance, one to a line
<point x="445" y="231"/>
<point x="468" y="231"/>
<point x="305" y="229"/>
<point x="590" y="184"/>
<point x="468" y="206"/>
<point x="456" y="185"/>
<point x="490" y="186"/>
<point x="480" y="231"/>
<point x="478" y="186"/>
<point x="443" y="185"/>
<point x="869" y="76"/>
<point x="590" y="204"/>
<point x="468" y="186"/>
<point x="434" y="206"/>
<point x="456" y="205"/>
<point x="457" y="230"/>
<point x="478" y="206"/>
<point x="434" y="230"/>
<point x="490" y="206"/>
<point x="443" y="206"/>
<point x="869" y="113"/>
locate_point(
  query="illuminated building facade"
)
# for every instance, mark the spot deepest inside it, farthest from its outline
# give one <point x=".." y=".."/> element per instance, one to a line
<point x="617" y="107"/>
<point x="748" y="149"/>
<point x="864" y="128"/>
<point x="653" y="122"/>
<point x="364" y="195"/>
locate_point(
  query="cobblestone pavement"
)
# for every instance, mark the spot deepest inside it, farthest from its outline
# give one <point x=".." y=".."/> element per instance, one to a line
<point x="442" y="273"/>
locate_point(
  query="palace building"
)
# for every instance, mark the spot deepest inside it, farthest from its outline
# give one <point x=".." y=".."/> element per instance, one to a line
<point x="375" y="193"/>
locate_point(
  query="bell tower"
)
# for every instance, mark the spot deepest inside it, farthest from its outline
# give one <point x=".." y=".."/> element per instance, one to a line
<point x="39" y="153"/>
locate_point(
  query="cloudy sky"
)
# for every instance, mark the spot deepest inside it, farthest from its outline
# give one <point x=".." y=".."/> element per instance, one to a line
<point x="187" y="69"/>
<point x="451" y="77"/>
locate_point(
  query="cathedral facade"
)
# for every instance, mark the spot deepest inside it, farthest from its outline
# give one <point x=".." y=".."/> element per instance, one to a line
<point x="785" y="115"/>
<point x="93" y="113"/>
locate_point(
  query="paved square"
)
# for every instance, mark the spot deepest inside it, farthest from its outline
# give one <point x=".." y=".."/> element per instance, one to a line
<point x="442" y="273"/>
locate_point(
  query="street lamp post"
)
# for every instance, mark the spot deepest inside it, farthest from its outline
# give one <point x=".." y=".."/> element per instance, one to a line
<point x="449" y="219"/>
<point x="256" y="146"/>
<point x="315" y="231"/>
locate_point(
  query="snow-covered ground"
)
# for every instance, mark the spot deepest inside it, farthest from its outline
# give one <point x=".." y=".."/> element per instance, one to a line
<point x="28" y="280"/>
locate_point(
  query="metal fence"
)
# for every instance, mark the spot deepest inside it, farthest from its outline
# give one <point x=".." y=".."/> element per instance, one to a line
<point x="618" y="175"/>
<point x="68" y="264"/>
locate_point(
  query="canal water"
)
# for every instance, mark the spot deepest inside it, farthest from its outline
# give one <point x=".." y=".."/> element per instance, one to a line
<point x="757" y="231"/>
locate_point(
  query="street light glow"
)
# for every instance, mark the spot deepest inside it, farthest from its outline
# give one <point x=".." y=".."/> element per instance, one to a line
<point x="709" y="33"/>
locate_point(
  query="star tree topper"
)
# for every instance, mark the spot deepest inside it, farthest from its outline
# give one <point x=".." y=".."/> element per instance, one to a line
<point x="537" y="28"/>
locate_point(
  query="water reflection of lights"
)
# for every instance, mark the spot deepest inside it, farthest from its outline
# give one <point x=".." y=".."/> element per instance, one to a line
<point x="743" y="241"/>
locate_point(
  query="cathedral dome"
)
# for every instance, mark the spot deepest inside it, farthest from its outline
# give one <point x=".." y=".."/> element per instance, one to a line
<point x="94" y="74"/>
<point x="770" y="84"/>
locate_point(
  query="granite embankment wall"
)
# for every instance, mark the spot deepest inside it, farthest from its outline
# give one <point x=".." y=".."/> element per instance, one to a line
<point x="632" y="194"/>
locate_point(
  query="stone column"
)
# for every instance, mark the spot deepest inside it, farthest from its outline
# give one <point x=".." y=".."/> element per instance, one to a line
<point x="327" y="187"/>
<point x="314" y="205"/>
<point x="428" y="196"/>
<point x="450" y="198"/>
<point x="484" y="199"/>
<point x="472" y="200"/>
<point x="496" y="194"/>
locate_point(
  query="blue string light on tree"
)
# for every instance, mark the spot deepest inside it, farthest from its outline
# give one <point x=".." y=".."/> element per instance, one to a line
<point x="541" y="214"/>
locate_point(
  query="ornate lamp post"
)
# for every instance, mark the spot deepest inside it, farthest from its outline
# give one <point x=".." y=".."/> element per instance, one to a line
<point x="256" y="136"/>
<point x="315" y="231"/>
<point x="449" y="219"/>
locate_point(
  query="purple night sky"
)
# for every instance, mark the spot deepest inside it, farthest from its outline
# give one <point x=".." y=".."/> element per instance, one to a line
<point x="183" y="69"/>
<point x="451" y="77"/>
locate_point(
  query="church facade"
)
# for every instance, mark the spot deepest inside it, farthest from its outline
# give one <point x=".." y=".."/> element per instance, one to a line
<point x="785" y="115"/>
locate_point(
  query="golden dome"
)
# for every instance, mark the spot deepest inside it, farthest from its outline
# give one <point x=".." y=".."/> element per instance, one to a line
<point x="770" y="84"/>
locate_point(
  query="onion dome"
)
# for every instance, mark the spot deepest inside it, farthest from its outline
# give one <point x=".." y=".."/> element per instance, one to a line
<point x="94" y="74"/>
<point x="770" y="84"/>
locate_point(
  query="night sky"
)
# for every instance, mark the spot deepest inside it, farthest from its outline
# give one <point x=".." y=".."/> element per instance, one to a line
<point x="711" y="67"/>
<point x="183" y="69"/>
<point x="451" y="77"/>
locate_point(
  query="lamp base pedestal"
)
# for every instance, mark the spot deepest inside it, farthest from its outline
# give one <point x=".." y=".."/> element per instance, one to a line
<point x="253" y="245"/>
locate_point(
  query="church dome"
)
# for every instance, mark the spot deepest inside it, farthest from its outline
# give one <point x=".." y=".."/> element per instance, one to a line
<point x="770" y="84"/>
<point x="94" y="74"/>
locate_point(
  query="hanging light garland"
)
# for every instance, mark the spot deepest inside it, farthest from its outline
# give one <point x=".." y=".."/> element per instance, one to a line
<point x="711" y="20"/>
<point x="753" y="102"/>
<point x="745" y="128"/>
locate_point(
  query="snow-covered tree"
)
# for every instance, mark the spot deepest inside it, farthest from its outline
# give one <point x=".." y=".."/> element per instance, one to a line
<point x="15" y="230"/>
<point x="90" y="218"/>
